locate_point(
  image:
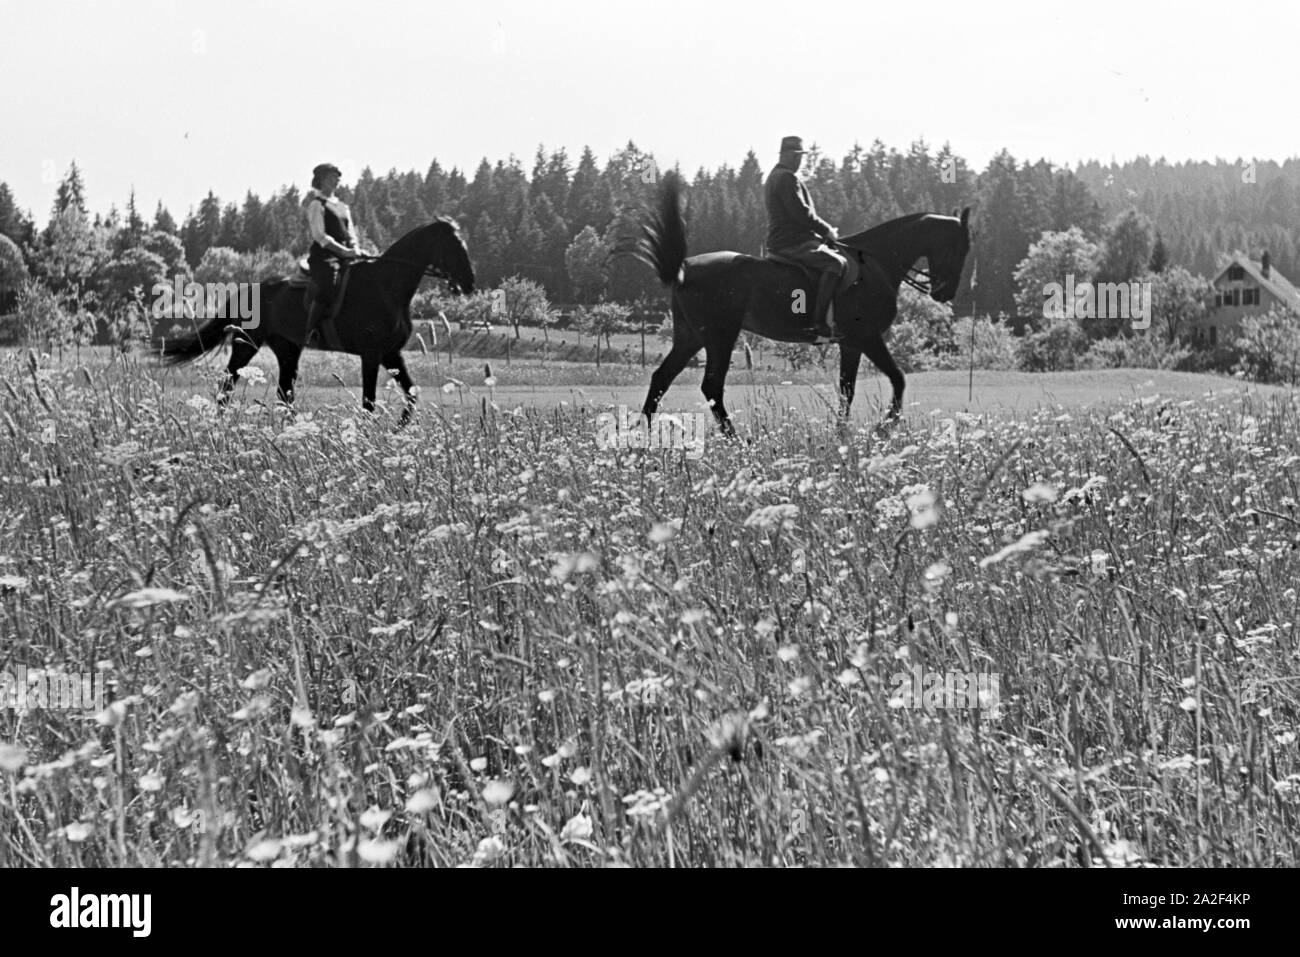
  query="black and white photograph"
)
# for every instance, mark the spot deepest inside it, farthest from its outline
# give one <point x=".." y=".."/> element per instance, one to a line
<point x="650" y="435"/>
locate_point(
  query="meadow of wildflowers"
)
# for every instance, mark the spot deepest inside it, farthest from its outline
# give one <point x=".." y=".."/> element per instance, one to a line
<point x="486" y="640"/>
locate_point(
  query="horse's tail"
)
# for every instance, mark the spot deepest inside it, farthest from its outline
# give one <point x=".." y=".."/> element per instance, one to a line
<point x="662" y="244"/>
<point x="188" y="348"/>
<point x="212" y="333"/>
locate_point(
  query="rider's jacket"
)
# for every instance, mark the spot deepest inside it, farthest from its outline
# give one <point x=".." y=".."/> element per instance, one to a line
<point x="791" y="218"/>
<point x="330" y="223"/>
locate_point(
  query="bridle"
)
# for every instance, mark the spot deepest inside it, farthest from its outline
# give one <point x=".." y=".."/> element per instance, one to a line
<point x="918" y="279"/>
<point x="426" y="269"/>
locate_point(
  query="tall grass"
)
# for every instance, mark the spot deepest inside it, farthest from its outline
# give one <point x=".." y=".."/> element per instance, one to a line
<point x="483" y="640"/>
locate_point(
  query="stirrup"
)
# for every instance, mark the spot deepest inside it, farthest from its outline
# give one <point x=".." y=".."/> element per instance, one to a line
<point x="828" y="331"/>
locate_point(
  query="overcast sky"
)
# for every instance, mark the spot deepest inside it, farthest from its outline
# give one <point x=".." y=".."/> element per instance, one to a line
<point x="181" y="97"/>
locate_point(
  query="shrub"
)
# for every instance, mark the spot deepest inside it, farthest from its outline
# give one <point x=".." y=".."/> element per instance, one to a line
<point x="523" y="302"/>
<point x="13" y="271"/>
<point x="1268" y="347"/>
<point x="1111" y="353"/>
<point x="1222" y="358"/>
<point x="39" y="316"/>
<point x="222" y="264"/>
<point x="995" y="344"/>
<point x="1136" y="352"/>
<point x="1058" y="346"/>
<point x="910" y="345"/>
<point x="602" y="319"/>
<point x="1156" y="352"/>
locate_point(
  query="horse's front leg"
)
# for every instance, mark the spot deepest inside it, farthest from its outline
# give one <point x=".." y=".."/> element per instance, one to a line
<point x="241" y="354"/>
<point x="287" y="354"/>
<point x="369" y="380"/>
<point x="717" y="360"/>
<point x="878" y="353"/>
<point x="396" y="364"/>
<point x="850" y="356"/>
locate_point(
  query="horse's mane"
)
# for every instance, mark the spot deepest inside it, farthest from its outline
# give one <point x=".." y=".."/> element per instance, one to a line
<point x="401" y="249"/>
<point x="870" y="238"/>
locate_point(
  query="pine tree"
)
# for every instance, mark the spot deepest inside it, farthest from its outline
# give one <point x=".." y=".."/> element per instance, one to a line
<point x="434" y="191"/>
<point x="1127" y="248"/>
<point x="200" y="233"/>
<point x="554" y="183"/>
<point x="71" y="193"/>
<point x="134" y="223"/>
<point x="231" y="234"/>
<point x="163" y="221"/>
<point x="13" y="223"/>
<point x="1005" y="240"/>
<point x="252" y="222"/>
<point x="586" y="206"/>
<point x="1159" y="255"/>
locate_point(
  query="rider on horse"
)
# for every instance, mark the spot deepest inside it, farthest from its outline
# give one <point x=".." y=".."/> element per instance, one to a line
<point x="332" y="240"/>
<point x="796" y="232"/>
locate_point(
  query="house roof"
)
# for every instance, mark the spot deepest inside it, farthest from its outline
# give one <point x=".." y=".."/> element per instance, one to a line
<point x="1276" y="283"/>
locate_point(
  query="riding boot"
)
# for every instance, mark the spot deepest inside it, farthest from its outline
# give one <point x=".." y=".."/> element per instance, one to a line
<point x="824" y="329"/>
<point x="313" y="321"/>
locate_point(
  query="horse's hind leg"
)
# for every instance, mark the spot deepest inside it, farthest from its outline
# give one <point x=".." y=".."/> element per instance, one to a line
<point x="242" y="351"/>
<point x="396" y="364"/>
<point x="717" y="361"/>
<point x="685" y="345"/>
<point x="878" y="353"/>
<point x="286" y="354"/>
<point x="850" y="356"/>
<point x="663" y="377"/>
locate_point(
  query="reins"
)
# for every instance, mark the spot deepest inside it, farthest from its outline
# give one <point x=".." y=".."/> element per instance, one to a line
<point x="918" y="279"/>
<point x="426" y="269"/>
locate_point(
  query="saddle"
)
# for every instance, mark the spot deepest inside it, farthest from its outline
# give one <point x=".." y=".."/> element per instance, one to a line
<point x="302" y="280"/>
<point x="851" y="273"/>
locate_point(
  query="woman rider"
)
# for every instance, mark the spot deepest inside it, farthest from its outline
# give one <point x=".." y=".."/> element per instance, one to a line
<point x="332" y="240"/>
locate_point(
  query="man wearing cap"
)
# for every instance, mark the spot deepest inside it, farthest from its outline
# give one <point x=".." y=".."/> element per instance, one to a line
<point x="332" y="239"/>
<point x="795" y="231"/>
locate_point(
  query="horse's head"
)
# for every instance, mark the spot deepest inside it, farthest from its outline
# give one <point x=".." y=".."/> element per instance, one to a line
<point x="942" y="241"/>
<point x="946" y="254"/>
<point x="440" y="248"/>
<point x="451" y="256"/>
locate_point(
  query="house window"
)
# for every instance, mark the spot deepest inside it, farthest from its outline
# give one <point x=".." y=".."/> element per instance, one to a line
<point x="1250" y="297"/>
<point x="1236" y="273"/>
<point x="1236" y="297"/>
<point x="1218" y="299"/>
<point x="1214" y="335"/>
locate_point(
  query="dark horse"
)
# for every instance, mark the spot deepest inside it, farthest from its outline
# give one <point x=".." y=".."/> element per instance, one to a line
<point x="716" y="295"/>
<point x="374" y="321"/>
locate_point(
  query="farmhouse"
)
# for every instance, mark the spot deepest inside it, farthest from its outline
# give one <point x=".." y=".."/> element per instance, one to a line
<point x="1244" y="287"/>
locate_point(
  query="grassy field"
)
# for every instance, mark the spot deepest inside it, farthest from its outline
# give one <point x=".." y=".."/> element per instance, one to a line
<point x="485" y="640"/>
<point x="327" y="379"/>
